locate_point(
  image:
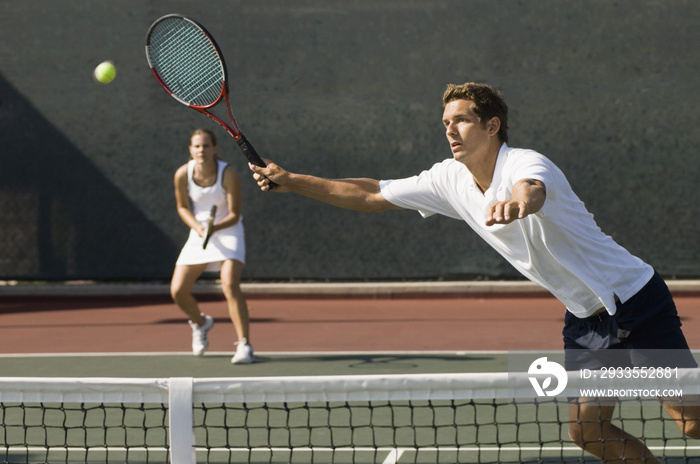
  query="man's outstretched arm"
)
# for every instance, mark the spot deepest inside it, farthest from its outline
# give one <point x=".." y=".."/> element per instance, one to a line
<point x="359" y="194"/>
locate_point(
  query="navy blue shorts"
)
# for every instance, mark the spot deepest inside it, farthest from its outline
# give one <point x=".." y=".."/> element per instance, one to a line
<point x="644" y="332"/>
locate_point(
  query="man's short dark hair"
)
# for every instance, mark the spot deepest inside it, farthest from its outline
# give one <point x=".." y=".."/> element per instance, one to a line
<point x="488" y="103"/>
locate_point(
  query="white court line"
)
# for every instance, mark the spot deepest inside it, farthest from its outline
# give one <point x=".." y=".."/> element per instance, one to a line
<point x="259" y="353"/>
<point x="287" y="353"/>
<point x="394" y="454"/>
<point x="393" y="457"/>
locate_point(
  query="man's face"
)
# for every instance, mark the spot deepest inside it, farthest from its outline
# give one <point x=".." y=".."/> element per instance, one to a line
<point x="465" y="132"/>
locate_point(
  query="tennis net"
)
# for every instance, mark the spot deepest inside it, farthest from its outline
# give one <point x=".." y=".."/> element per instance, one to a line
<point x="450" y="418"/>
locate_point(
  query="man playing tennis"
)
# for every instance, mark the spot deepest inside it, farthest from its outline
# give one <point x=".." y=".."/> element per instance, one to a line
<point x="523" y="206"/>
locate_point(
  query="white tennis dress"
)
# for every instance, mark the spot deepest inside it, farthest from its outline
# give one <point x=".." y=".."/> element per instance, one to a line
<point x="224" y="244"/>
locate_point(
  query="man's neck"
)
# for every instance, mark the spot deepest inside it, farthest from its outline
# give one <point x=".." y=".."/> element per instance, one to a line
<point x="483" y="167"/>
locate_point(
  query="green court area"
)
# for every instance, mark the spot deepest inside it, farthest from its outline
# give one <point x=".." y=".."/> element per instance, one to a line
<point x="267" y="364"/>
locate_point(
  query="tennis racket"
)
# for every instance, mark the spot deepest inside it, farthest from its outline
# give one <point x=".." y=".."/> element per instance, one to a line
<point x="189" y="65"/>
<point x="210" y="227"/>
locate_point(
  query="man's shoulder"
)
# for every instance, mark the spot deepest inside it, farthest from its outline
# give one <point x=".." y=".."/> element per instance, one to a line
<point x="446" y="165"/>
<point x="518" y="157"/>
<point x="520" y="152"/>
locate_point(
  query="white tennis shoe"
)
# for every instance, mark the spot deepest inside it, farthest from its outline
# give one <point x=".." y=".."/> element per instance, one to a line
<point x="200" y="342"/>
<point x="244" y="353"/>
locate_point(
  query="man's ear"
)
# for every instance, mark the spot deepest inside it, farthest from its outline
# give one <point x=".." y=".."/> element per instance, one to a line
<point x="493" y="125"/>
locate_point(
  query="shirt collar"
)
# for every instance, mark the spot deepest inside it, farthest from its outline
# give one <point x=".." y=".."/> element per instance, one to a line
<point x="496" y="179"/>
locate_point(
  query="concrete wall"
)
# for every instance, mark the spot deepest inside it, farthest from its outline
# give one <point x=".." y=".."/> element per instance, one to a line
<point x="607" y="90"/>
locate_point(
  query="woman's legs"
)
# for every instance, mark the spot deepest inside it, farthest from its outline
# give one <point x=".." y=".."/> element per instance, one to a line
<point x="231" y="271"/>
<point x="181" y="285"/>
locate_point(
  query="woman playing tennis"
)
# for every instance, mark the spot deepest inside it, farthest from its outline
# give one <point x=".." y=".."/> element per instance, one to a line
<point x="203" y="182"/>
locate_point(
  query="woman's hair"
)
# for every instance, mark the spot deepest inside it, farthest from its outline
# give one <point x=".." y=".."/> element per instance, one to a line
<point x="488" y="103"/>
<point x="200" y="131"/>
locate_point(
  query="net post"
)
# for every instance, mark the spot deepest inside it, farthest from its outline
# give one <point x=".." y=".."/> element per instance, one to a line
<point x="181" y="421"/>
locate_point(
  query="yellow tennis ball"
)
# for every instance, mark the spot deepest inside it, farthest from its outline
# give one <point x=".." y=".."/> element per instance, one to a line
<point x="105" y="72"/>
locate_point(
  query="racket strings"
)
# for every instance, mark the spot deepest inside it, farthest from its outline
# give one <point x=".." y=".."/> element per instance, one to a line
<point x="187" y="62"/>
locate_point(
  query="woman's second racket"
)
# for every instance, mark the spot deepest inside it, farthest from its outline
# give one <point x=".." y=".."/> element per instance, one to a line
<point x="189" y="65"/>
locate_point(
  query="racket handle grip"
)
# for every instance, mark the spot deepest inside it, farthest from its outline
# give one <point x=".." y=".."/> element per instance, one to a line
<point x="252" y="155"/>
<point x="210" y="226"/>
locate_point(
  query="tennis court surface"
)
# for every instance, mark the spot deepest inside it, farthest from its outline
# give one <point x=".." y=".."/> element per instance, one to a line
<point x="340" y="379"/>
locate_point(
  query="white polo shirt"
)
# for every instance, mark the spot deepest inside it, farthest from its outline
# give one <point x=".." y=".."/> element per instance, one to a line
<point x="560" y="247"/>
